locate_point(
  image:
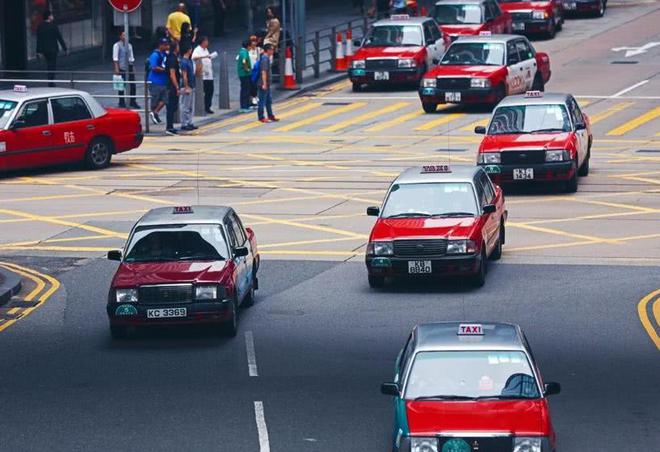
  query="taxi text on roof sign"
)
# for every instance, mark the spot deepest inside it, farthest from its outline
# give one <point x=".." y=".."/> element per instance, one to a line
<point x="436" y="169"/>
<point x="533" y="94"/>
<point x="470" y="329"/>
<point x="485" y="33"/>
<point x="399" y="17"/>
<point x="20" y="89"/>
<point x="178" y="210"/>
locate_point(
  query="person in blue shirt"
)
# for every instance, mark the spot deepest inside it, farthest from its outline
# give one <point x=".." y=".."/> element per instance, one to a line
<point x="158" y="79"/>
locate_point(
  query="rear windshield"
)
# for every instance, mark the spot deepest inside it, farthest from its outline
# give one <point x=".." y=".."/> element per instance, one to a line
<point x="6" y="109"/>
<point x="394" y="36"/>
<point x="457" y="14"/>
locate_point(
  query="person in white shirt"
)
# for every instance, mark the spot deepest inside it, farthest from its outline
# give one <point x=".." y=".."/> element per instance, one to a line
<point x="123" y="61"/>
<point x="255" y="52"/>
<point x="202" y="56"/>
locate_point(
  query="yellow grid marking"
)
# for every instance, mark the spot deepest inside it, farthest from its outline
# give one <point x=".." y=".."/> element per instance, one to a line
<point x="447" y="118"/>
<point x="321" y="117"/>
<point x="365" y="117"/>
<point x="470" y="127"/>
<point x="635" y="123"/>
<point x="70" y="224"/>
<point x="394" y="122"/>
<point x="614" y="109"/>
<point x="288" y="114"/>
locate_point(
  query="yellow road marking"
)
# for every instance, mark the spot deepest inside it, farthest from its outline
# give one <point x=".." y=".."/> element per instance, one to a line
<point x="385" y="125"/>
<point x="444" y="119"/>
<point x="307" y="242"/>
<point x="46" y="198"/>
<point x="480" y="122"/>
<point x="39" y="284"/>
<point x="614" y="109"/>
<point x="635" y="123"/>
<point x="13" y="311"/>
<point x="69" y="239"/>
<point x="288" y="114"/>
<point x="310" y="253"/>
<point x="320" y="117"/>
<point x="71" y="224"/>
<point x="644" y="317"/>
<point x="563" y="233"/>
<point x="365" y="117"/>
<point x="81" y="249"/>
<point x="312" y="227"/>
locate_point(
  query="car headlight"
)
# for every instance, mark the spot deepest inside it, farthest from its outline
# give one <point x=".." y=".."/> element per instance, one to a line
<point x="539" y="15"/>
<point x="461" y="247"/>
<point x="527" y="444"/>
<point x="479" y="83"/>
<point x="429" y="83"/>
<point x="489" y="158"/>
<point x="206" y="292"/>
<point x="558" y="155"/>
<point x="126" y="295"/>
<point x="380" y="248"/>
<point x="358" y="64"/>
<point x="407" y="63"/>
<point x="423" y="444"/>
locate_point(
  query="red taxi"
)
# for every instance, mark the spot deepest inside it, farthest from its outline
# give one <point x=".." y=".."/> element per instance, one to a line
<point x="184" y="265"/>
<point x="397" y="50"/>
<point x="468" y="387"/>
<point x="437" y="221"/>
<point x="52" y="126"/>
<point x="535" y="17"/>
<point x="471" y="17"/>
<point x="484" y="70"/>
<point x="537" y="137"/>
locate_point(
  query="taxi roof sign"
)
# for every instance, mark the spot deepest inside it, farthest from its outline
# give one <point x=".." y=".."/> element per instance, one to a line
<point x="426" y="169"/>
<point x="485" y="33"/>
<point x="533" y="94"/>
<point x="400" y="16"/>
<point x="20" y="89"/>
<point x="182" y="210"/>
<point x="470" y="329"/>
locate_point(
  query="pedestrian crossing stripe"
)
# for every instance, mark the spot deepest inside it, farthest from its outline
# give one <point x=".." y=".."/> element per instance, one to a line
<point x="635" y="122"/>
<point x="287" y="114"/>
<point x="365" y="117"/>
<point x="394" y="122"/>
<point x="470" y="127"/>
<point x="447" y="118"/>
<point x="320" y="117"/>
<point x="614" y="109"/>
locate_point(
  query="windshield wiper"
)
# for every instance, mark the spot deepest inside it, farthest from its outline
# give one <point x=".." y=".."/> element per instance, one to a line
<point x="454" y="214"/>
<point x="551" y="129"/>
<point x="505" y="397"/>
<point x="445" y="397"/>
<point x="410" y="214"/>
<point x="149" y="259"/>
<point x="202" y="257"/>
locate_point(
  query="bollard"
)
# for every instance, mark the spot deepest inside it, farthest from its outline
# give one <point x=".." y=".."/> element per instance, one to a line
<point x="333" y="49"/>
<point x="147" y="107"/>
<point x="199" y="96"/>
<point x="223" y="84"/>
<point x="317" y="55"/>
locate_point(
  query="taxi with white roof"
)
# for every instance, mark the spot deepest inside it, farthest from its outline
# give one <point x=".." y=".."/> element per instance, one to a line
<point x="437" y="221"/>
<point x="397" y="50"/>
<point x="184" y="265"/>
<point x="537" y="137"/>
<point x="54" y="126"/>
<point x="467" y="387"/>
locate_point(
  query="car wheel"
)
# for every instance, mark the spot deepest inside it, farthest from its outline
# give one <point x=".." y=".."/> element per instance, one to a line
<point x="550" y="34"/>
<point x="249" y="298"/>
<point x="376" y="282"/>
<point x="601" y="9"/>
<point x="584" y="169"/>
<point x="479" y="279"/>
<point x="230" y="327"/>
<point x="560" y="22"/>
<point x="99" y="153"/>
<point x="357" y="87"/>
<point x="497" y="252"/>
<point x="429" y="108"/>
<point x="572" y="184"/>
<point x="118" y="332"/>
<point x="538" y="84"/>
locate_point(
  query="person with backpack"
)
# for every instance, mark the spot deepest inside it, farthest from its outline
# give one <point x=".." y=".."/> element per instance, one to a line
<point x="174" y="82"/>
<point x="244" y="69"/>
<point x="262" y="75"/>
<point x="157" y="77"/>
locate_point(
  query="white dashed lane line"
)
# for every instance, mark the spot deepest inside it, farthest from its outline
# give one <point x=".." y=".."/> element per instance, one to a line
<point x="262" y="429"/>
<point x="251" y="354"/>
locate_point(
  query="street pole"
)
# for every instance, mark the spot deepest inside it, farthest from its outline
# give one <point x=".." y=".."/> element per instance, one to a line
<point x="128" y="46"/>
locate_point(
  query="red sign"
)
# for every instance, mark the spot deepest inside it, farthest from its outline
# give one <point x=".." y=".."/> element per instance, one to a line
<point x="125" y="6"/>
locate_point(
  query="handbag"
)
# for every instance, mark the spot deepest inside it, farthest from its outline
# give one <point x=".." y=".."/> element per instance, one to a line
<point x="118" y="82"/>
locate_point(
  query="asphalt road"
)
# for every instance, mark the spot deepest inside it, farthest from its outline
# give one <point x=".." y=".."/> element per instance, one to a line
<point x="323" y="342"/>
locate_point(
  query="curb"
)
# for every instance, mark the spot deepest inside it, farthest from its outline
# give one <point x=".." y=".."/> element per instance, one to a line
<point x="10" y="285"/>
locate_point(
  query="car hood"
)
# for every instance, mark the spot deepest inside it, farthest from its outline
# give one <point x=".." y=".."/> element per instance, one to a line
<point x="543" y="140"/>
<point x="520" y="417"/>
<point x="463" y="30"/>
<point x="147" y="273"/>
<point x="381" y="52"/>
<point x="397" y="228"/>
<point x="465" y="70"/>
<point x="525" y="6"/>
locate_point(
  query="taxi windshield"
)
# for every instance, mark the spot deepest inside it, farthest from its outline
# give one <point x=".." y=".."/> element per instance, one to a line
<point x="471" y="375"/>
<point x="177" y="242"/>
<point x="394" y="36"/>
<point x="475" y="54"/>
<point x="430" y="200"/>
<point x="6" y="109"/>
<point x="529" y="119"/>
<point x="457" y="14"/>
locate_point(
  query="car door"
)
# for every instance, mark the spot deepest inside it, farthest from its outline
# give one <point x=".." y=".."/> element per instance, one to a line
<point x="527" y="61"/>
<point x="514" y="78"/>
<point x="497" y="18"/>
<point x="73" y="127"/>
<point x="240" y="266"/>
<point x="580" y="129"/>
<point x="432" y="52"/>
<point x="28" y="142"/>
<point x="240" y="231"/>
<point x="492" y="220"/>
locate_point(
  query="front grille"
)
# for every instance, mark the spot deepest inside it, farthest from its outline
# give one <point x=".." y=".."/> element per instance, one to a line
<point x="420" y="248"/>
<point x="381" y="64"/>
<point x="165" y="294"/>
<point x="453" y="82"/>
<point x="522" y="157"/>
<point x="521" y="16"/>
<point x="481" y="444"/>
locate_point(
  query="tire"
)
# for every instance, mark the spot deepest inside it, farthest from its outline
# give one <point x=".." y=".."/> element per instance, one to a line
<point x="572" y="183"/>
<point x="118" y="332"/>
<point x="376" y="282"/>
<point x="550" y="34"/>
<point x="497" y="252"/>
<point x="479" y="279"/>
<point x="538" y="84"/>
<point x="249" y="299"/>
<point x="560" y="22"/>
<point x="584" y="169"/>
<point x="357" y="87"/>
<point x="429" y="108"/>
<point x="99" y="154"/>
<point x="230" y="327"/>
<point x="601" y="10"/>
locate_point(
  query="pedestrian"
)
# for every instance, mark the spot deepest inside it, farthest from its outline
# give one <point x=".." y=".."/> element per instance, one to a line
<point x="187" y="97"/>
<point x="273" y="28"/>
<point x="174" y="82"/>
<point x="264" y="85"/>
<point x="158" y="79"/>
<point x="188" y="38"/>
<point x="244" y="70"/>
<point x="175" y="20"/>
<point x="219" y="13"/>
<point x="49" y="41"/>
<point x="382" y="8"/>
<point x="123" y="62"/>
<point x="202" y="56"/>
<point x="399" y="6"/>
<point x="255" y="52"/>
<point x="195" y="6"/>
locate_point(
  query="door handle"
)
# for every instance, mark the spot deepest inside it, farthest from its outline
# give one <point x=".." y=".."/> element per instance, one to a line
<point x="46" y="133"/>
<point x="90" y="127"/>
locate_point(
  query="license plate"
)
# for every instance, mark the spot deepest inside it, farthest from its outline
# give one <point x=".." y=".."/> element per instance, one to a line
<point x="518" y="26"/>
<point x="570" y="5"/>
<point x="381" y="75"/>
<point x="419" y="267"/>
<point x="166" y="313"/>
<point x="452" y="97"/>
<point x="523" y="173"/>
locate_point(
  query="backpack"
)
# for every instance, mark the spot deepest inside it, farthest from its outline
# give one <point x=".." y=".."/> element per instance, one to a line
<point x="256" y="71"/>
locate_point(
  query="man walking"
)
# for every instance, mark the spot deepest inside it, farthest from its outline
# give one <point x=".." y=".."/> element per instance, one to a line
<point x="123" y="64"/>
<point x="187" y="96"/>
<point x="174" y="80"/>
<point x="264" y="84"/>
<point x="244" y="69"/>
<point x="48" y="38"/>
<point x="175" y="20"/>
<point x="202" y="56"/>
<point x="158" y="79"/>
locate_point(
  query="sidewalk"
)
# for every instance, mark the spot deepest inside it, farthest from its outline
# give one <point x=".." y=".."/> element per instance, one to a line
<point x="10" y="285"/>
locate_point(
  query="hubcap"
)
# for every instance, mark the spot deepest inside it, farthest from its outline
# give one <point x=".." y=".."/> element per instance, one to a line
<point x="99" y="154"/>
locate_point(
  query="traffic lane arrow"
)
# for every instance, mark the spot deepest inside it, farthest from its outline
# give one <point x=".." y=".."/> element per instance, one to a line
<point x="632" y="51"/>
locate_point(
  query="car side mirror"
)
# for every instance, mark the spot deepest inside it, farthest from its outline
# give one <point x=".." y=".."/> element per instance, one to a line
<point x="114" y="255"/>
<point x="373" y="211"/>
<point x="436" y="61"/>
<point x="241" y="251"/>
<point x="18" y="124"/>
<point x="249" y="231"/>
<point x="552" y="388"/>
<point x="391" y="389"/>
<point x="490" y="208"/>
<point x="580" y="126"/>
<point x="481" y="130"/>
<point x="357" y="43"/>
